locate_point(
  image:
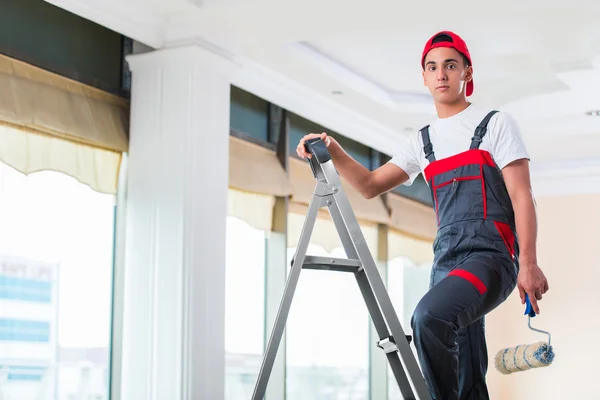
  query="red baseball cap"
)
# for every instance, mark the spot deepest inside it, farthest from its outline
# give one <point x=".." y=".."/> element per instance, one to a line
<point x="449" y="39"/>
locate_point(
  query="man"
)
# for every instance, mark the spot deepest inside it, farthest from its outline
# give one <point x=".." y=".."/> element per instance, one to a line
<point x="477" y="168"/>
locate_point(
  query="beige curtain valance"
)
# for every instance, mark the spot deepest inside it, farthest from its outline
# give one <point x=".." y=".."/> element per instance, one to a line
<point x="256" y="169"/>
<point x="412" y="218"/>
<point x="303" y="186"/>
<point x="49" y="122"/>
<point x="325" y="234"/>
<point x="34" y="99"/>
<point x="256" y="209"/>
<point x="402" y="245"/>
<point x="30" y="152"/>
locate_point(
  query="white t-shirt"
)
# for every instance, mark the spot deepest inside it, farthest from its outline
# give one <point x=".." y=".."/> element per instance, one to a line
<point x="450" y="136"/>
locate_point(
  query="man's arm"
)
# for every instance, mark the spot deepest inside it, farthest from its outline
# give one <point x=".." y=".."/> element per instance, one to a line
<point x="531" y="278"/>
<point x="516" y="176"/>
<point x="369" y="183"/>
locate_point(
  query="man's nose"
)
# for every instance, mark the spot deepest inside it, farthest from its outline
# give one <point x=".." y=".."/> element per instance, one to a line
<point x="441" y="74"/>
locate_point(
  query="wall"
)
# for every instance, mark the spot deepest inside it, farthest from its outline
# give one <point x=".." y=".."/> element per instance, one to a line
<point x="569" y="237"/>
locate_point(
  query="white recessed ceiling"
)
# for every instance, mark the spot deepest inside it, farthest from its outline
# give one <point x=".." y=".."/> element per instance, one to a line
<point x="539" y="60"/>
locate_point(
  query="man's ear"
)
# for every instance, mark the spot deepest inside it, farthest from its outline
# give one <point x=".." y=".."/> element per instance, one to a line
<point x="469" y="74"/>
<point x="424" y="80"/>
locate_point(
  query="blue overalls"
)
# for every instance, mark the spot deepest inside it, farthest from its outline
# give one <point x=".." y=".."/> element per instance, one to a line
<point x="474" y="269"/>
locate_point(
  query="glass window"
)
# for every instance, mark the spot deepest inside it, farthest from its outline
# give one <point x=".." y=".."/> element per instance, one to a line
<point x="327" y="334"/>
<point x="56" y="250"/>
<point x="419" y="190"/>
<point x="407" y="283"/>
<point x="54" y="39"/>
<point x="244" y="307"/>
<point x="249" y="114"/>
<point x="358" y="151"/>
<point x="300" y="126"/>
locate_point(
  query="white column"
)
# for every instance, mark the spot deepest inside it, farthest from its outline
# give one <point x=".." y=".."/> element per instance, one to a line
<point x="174" y="296"/>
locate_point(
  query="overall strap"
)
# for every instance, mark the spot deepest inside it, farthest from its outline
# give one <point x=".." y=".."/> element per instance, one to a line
<point x="481" y="130"/>
<point x="427" y="146"/>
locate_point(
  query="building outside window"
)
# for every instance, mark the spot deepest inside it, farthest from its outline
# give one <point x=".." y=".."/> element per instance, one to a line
<point x="56" y="269"/>
<point x="244" y="308"/>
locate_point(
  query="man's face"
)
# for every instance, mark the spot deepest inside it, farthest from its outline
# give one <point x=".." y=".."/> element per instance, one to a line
<point x="446" y="74"/>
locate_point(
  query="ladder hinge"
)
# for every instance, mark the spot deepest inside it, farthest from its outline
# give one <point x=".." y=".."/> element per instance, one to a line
<point x="325" y="189"/>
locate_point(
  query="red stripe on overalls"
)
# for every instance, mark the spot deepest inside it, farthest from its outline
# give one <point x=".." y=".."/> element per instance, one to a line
<point x="469" y="157"/>
<point x="507" y="235"/>
<point x="479" y="285"/>
<point x="483" y="191"/>
<point x="474" y="156"/>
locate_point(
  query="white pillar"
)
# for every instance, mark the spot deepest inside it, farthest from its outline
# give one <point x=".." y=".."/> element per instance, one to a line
<point x="174" y="296"/>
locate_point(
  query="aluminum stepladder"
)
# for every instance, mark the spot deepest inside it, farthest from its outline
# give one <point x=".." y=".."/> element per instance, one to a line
<point x="393" y="341"/>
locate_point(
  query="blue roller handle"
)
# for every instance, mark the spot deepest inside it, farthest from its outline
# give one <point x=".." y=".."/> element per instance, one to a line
<point x="528" y="307"/>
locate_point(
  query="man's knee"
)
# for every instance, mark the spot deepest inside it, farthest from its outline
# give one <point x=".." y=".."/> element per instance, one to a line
<point x="424" y="318"/>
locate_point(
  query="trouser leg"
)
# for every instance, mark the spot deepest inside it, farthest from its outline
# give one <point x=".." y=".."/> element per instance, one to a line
<point x="456" y="304"/>
<point x="472" y="361"/>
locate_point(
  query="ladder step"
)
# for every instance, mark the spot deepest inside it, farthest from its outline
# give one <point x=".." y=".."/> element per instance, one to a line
<point x="331" y="264"/>
<point x="388" y="345"/>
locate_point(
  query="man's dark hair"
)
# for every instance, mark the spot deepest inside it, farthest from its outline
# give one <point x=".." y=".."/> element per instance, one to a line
<point x="446" y="38"/>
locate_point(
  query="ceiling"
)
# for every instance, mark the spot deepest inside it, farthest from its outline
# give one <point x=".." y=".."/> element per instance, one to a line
<point x="539" y="60"/>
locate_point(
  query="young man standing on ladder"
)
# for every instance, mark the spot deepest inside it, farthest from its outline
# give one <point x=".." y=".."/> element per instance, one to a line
<point x="477" y="169"/>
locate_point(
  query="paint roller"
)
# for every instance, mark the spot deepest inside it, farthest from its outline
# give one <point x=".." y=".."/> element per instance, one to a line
<point x="525" y="356"/>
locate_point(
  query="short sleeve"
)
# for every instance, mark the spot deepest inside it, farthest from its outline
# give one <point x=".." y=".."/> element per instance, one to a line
<point x="506" y="142"/>
<point x="406" y="158"/>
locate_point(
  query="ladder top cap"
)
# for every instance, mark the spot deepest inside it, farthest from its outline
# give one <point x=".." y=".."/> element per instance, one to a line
<point x="318" y="149"/>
